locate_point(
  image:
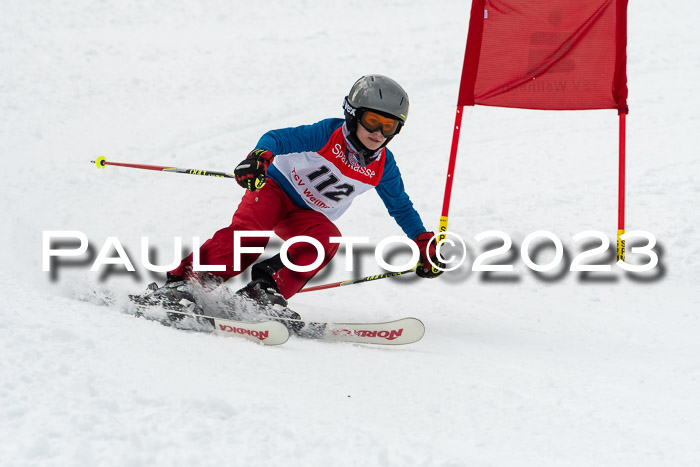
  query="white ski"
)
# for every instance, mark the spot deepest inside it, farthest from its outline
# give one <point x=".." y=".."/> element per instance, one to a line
<point x="402" y="331"/>
<point x="263" y="332"/>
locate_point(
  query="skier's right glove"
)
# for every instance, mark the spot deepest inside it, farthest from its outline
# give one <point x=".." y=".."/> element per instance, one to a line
<point x="252" y="172"/>
<point x="427" y="250"/>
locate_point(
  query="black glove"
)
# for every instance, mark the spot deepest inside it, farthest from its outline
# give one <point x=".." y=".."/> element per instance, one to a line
<point x="252" y="172"/>
<point x="428" y="250"/>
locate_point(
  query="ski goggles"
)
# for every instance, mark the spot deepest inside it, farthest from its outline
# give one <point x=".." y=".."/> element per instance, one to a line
<point x="373" y="121"/>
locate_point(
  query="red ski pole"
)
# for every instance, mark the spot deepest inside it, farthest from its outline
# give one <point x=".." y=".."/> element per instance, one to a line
<point x="357" y="281"/>
<point x="101" y="162"/>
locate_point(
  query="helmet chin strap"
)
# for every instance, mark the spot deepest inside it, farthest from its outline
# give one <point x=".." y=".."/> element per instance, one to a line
<point x="365" y="156"/>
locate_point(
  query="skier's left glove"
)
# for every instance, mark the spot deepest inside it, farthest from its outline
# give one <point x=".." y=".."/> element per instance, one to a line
<point x="427" y="250"/>
<point x="252" y="172"/>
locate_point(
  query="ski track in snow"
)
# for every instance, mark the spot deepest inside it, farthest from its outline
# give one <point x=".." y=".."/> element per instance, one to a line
<point x="532" y="371"/>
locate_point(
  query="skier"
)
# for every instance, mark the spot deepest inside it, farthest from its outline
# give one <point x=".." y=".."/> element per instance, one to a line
<point x="298" y="181"/>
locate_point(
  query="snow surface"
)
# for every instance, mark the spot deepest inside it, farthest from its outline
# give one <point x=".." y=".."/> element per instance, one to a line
<point x="558" y="369"/>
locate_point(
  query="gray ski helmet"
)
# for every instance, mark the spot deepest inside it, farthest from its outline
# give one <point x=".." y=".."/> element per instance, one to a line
<point x="379" y="93"/>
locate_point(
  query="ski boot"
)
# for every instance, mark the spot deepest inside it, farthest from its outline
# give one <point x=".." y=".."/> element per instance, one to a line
<point x="175" y="295"/>
<point x="269" y="302"/>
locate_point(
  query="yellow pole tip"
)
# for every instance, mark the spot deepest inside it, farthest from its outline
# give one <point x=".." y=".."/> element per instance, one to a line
<point x="100" y="162"/>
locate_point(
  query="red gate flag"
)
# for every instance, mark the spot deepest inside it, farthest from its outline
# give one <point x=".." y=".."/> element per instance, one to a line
<point x="546" y="54"/>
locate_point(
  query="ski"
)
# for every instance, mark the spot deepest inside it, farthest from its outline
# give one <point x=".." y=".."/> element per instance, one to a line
<point x="263" y="332"/>
<point x="266" y="332"/>
<point x="397" y="332"/>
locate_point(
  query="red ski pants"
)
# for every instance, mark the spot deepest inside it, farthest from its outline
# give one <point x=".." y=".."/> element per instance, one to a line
<point x="268" y="209"/>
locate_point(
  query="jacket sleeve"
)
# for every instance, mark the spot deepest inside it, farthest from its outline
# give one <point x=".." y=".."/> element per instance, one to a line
<point x="396" y="200"/>
<point x="301" y="138"/>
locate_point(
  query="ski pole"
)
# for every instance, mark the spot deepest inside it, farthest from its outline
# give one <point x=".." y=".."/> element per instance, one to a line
<point x="357" y="281"/>
<point x="101" y="163"/>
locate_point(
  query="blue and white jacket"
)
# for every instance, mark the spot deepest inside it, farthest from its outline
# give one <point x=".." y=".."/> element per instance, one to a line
<point x="317" y="168"/>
